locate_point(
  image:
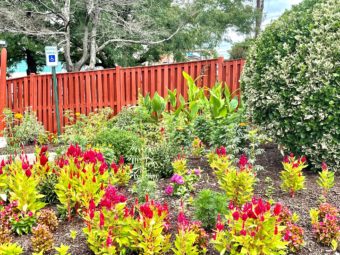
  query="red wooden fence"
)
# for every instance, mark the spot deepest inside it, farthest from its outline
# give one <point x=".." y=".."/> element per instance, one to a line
<point x="84" y="92"/>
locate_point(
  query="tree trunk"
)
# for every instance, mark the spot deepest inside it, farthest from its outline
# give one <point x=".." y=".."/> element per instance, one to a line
<point x="31" y="62"/>
<point x="259" y="16"/>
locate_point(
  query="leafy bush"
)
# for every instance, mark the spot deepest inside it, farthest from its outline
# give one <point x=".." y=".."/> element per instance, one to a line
<point x="83" y="129"/>
<point x="122" y="143"/>
<point x="326" y="224"/>
<point x="22" y="129"/>
<point x="145" y="185"/>
<point x="208" y="205"/>
<point x="48" y="218"/>
<point x="158" y="158"/>
<point x="42" y="239"/>
<point x="47" y="188"/>
<point x="291" y="81"/>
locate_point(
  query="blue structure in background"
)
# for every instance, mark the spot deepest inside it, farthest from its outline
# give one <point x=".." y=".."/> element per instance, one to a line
<point x="21" y="67"/>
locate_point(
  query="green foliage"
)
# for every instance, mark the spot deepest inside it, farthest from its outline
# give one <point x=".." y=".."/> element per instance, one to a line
<point x="21" y="129"/>
<point x="291" y="81"/>
<point x="291" y="176"/>
<point x="122" y="143"/>
<point x="203" y="127"/>
<point x="83" y="129"/>
<point x="155" y="105"/>
<point x="208" y="205"/>
<point x="121" y="174"/>
<point x="23" y="188"/>
<point x="158" y="158"/>
<point x="22" y="225"/>
<point x="42" y="239"/>
<point x="47" y="188"/>
<point x="185" y="243"/>
<point x="63" y="250"/>
<point x="240" y="50"/>
<point x="145" y="185"/>
<point x="10" y="249"/>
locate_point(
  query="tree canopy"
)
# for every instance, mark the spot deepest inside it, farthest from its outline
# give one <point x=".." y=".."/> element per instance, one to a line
<point x="123" y="32"/>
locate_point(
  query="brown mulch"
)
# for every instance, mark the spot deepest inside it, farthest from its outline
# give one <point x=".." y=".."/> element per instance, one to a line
<point x="270" y="160"/>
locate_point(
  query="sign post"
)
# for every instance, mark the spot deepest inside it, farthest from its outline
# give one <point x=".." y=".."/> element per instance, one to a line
<point x="51" y="53"/>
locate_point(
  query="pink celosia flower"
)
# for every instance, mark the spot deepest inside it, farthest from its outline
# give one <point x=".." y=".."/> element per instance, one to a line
<point x="176" y="178"/>
<point x="169" y="190"/>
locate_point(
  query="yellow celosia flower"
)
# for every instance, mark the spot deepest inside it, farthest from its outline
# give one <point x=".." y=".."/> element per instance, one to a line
<point x="77" y="114"/>
<point x="243" y="124"/>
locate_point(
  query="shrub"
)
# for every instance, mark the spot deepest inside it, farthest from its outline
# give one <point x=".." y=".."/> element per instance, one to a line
<point x="121" y="173"/>
<point x="123" y="143"/>
<point x="208" y="205"/>
<point x="145" y="185"/>
<point x="158" y="158"/>
<point x="23" y="223"/>
<point x="291" y="81"/>
<point x="42" y="239"/>
<point x="48" y="218"/>
<point x="22" y="129"/>
<point x="47" y="188"/>
<point x="83" y="129"/>
<point x="326" y="225"/>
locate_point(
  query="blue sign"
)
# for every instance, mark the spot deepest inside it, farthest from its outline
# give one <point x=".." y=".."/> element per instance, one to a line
<point x="51" y="58"/>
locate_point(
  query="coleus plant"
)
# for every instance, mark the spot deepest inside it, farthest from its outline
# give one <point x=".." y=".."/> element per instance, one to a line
<point x="82" y="177"/>
<point x="293" y="233"/>
<point x="253" y="228"/>
<point x="326" y="224"/>
<point x="292" y="177"/>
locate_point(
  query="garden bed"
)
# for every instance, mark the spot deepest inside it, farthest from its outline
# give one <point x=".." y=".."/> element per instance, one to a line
<point x="270" y="160"/>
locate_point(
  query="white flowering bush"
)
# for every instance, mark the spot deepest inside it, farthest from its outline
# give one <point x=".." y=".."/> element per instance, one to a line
<point x="291" y="81"/>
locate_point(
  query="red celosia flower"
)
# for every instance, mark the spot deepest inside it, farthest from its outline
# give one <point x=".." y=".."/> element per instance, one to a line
<point x="28" y="172"/>
<point x="244" y="217"/>
<point x="108" y="241"/>
<point x="182" y="220"/>
<point x="121" y="160"/>
<point x="219" y="224"/>
<point x="94" y="179"/>
<point x="303" y="159"/>
<point x="243" y="232"/>
<point x="231" y="205"/>
<point x="291" y="155"/>
<point x="101" y="219"/>
<point x="324" y="166"/>
<point x="252" y="234"/>
<point x="146" y="210"/>
<point x="236" y="215"/>
<point x="243" y="161"/>
<point x="43" y="150"/>
<point x="114" y="167"/>
<point x="221" y="151"/>
<point x="30" y="214"/>
<point x="69" y="186"/>
<point x="103" y="167"/>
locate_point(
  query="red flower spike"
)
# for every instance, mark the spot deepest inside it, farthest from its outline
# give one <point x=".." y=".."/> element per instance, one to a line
<point x="101" y="219"/>
<point x="43" y="160"/>
<point x="28" y="173"/>
<point x="243" y="232"/>
<point x="324" y="166"/>
<point x="121" y="160"/>
<point x="236" y="215"/>
<point x="108" y="241"/>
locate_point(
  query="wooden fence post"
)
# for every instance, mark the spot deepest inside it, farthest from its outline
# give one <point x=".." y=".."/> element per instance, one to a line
<point x="119" y="89"/>
<point x="3" y="92"/>
<point x="220" y="69"/>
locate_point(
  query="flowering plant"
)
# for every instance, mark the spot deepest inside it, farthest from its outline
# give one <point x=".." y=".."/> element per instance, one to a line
<point x="121" y="173"/>
<point x="291" y="176"/>
<point x="293" y="233"/>
<point x="180" y="166"/>
<point x="181" y="185"/>
<point x="326" y="179"/>
<point x="237" y="182"/>
<point x="253" y="228"/>
<point x="22" y="223"/>
<point x="326" y="225"/>
<point x="190" y="239"/>
<point x="219" y="161"/>
<point x="82" y="177"/>
<point x="197" y="147"/>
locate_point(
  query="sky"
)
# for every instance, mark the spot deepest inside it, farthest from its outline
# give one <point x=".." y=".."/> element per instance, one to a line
<point x="272" y="10"/>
